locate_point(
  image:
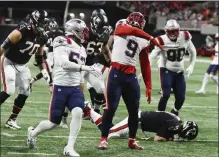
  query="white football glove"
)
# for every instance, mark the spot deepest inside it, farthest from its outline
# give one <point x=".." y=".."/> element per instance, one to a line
<point x="189" y="71"/>
<point x="139" y="78"/>
<point x="92" y="69"/>
<point x="45" y="75"/>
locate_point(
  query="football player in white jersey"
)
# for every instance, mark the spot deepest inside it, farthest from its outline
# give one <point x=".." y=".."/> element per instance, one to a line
<point x="171" y="66"/>
<point x="69" y="59"/>
<point x="212" y="71"/>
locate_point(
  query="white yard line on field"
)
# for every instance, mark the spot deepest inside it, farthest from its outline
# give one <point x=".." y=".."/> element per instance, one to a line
<point x="3" y="146"/>
<point x="40" y="154"/>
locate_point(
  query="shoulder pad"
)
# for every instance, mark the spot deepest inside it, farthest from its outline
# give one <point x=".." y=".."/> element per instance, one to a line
<point x="187" y="35"/>
<point x="23" y="27"/>
<point x="160" y="40"/>
<point x="61" y="41"/>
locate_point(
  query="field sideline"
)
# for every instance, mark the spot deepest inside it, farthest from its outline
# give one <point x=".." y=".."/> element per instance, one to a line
<point x="202" y="109"/>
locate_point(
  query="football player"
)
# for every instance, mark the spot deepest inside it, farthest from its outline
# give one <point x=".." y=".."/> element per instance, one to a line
<point x="98" y="54"/>
<point x="122" y="79"/>
<point x="27" y="39"/>
<point x="175" y="43"/>
<point x="69" y="59"/>
<point x="166" y="125"/>
<point x="53" y="31"/>
<point x="212" y="71"/>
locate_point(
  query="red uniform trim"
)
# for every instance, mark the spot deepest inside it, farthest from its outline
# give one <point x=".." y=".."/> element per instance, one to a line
<point x="47" y="66"/>
<point x="119" y="128"/>
<point x="107" y="103"/>
<point x="160" y="40"/>
<point x="103" y="69"/>
<point x="50" y="106"/>
<point x="128" y="69"/>
<point x="3" y="75"/>
<point x="187" y="36"/>
<point x="98" y="121"/>
<point x="68" y="39"/>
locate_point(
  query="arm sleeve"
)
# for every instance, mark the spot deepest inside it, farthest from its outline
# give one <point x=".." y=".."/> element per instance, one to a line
<point x="145" y="68"/>
<point x="192" y="53"/>
<point x="61" y="58"/>
<point x="128" y="30"/>
<point x="153" y="56"/>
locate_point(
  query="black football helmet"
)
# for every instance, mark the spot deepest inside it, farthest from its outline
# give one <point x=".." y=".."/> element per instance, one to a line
<point x="40" y="20"/>
<point x="53" y="26"/>
<point x="98" y="12"/>
<point x="188" y="131"/>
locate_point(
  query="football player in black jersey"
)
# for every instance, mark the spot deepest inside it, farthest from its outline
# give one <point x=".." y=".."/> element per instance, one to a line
<point x="53" y="31"/>
<point x="27" y="39"/>
<point x="98" y="54"/>
<point x="167" y="126"/>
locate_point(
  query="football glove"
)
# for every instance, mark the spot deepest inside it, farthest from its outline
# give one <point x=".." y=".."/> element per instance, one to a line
<point x="91" y="69"/>
<point x="139" y="78"/>
<point x="45" y="75"/>
<point x="154" y="42"/>
<point x="148" y="95"/>
<point x="189" y="71"/>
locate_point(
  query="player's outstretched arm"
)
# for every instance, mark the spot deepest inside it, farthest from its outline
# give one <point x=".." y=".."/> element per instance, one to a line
<point x="146" y="72"/>
<point x="13" y="38"/>
<point x="153" y="56"/>
<point x="106" y="52"/>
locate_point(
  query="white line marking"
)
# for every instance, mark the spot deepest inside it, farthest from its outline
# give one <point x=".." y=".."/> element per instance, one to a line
<point x="18" y="153"/>
<point x="3" y="146"/>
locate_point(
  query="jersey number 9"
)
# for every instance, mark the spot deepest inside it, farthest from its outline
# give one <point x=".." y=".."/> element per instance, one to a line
<point x="174" y="55"/>
<point x="132" y="48"/>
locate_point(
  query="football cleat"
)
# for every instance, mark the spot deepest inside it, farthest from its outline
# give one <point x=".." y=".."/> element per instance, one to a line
<point x="132" y="144"/>
<point x="87" y="110"/>
<point x="200" y="92"/>
<point x="103" y="144"/>
<point x="70" y="152"/>
<point x="175" y="112"/>
<point x="64" y="124"/>
<point x="31" y="141"/>
<point x="12" y="124"/>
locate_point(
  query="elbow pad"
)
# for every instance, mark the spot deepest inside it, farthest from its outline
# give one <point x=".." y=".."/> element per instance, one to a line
<point x="7" y="44"/>
<point x="39" y="59"/>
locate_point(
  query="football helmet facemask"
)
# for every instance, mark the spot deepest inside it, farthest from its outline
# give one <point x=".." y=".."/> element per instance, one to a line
<point x="98" y="12"/>
<point x="53" y="26"/>
<point x="136" y="19"/>
<point x="216" y="37"/>
<point x="77" y="28"/>
<point x="172" y="29"/>
<point x="188" y="131"/>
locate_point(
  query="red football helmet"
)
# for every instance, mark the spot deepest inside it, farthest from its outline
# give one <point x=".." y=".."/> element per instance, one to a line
<point x="136" y="19"/>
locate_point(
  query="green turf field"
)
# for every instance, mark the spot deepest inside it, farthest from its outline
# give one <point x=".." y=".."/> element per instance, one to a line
<point x="199" y="108"/>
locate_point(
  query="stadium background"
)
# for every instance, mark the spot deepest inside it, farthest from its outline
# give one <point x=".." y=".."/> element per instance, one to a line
<point x="199" y="18"/>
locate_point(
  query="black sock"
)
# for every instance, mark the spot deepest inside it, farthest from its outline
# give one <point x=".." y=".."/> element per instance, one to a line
<point x="38" y="76"/>
<point x="3" y="96"/>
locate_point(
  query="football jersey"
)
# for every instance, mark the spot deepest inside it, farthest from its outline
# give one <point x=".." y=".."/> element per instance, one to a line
<point x="215" y="60"/>
<point x="65" y="50"/>
<point x="28" y="45"/>
<point x="152" y="121"/>
<point x="51" y="37"/>
<point x="93" y="48"/>
<point x="172" y="57"/>
<point x="127" y="48"/>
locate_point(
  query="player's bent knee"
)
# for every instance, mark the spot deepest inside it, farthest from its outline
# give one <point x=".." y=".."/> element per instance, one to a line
<point x="77" y="112"/>
<point x="52" y="125"/>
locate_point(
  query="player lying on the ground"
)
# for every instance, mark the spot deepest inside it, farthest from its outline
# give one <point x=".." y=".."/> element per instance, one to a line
<point x="171" y="67"/>
<point x="27" y="39"/>
<point x="69" y="60"/>
<point x="212" y="71"/>
<point x="53" y="31"/>
<point x="167" y="126"/>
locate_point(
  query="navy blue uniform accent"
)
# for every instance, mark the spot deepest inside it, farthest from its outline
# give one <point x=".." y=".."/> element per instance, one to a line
<point x="62" y="97"/>
<point x="125" y="85"/>
<point x="213" y="68"/>
<point x="173" y="80"/>
<point x="21" y="52"/>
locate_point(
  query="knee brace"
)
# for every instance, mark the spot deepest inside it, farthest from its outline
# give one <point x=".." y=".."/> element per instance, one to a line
<point x="99" y="99"/>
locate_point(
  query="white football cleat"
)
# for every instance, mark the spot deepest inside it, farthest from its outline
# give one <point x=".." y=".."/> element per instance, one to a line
<point x="70" y="152"/>
<point x="200" y="92"/>
<point x="31" y="141"/>
<point x="113" y="135"/>
<point x="63" y="124"/>
<point x="12" y="124"/>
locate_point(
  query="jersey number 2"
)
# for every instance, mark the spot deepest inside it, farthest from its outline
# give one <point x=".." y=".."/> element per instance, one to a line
<point x="132" y="48"/>
<point x="31" y="48"/>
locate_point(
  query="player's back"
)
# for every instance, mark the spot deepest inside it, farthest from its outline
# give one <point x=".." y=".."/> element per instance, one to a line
<point x="172" y="57"/>
<point x="127" y="48"/>
<point x="65" y="49"/>
<point x="21" y="52"/>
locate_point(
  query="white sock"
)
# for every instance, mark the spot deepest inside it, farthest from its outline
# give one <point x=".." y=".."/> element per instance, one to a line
<point x="43" y="126"/>
<point x="121" y="127"/>
<point x="95" y="117"/>
<point x="205" y="81"/>
<point x="75" y="126"/>
<point x="215" y="79"/>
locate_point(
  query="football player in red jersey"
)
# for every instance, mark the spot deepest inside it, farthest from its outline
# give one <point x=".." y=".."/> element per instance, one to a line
<point x="122" y="80"/>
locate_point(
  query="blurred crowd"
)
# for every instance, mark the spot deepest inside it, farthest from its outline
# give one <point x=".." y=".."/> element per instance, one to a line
<point x="184" y="10"/>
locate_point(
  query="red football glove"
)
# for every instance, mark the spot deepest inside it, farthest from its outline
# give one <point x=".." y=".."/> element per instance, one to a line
<point x="148" y="95"/>
<point x="155" y="43"/>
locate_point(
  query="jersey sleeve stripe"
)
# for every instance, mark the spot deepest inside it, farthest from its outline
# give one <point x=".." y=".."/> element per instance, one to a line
<point x="187" y="36"/>
<point x="160" y="40"/>
<point x="3" y="75"/>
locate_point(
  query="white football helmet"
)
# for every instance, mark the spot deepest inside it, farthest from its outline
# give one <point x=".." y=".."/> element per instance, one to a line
<point x="172" y="29"/>
<point x="77" y="28"/>
<point x="121" y="22"/>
